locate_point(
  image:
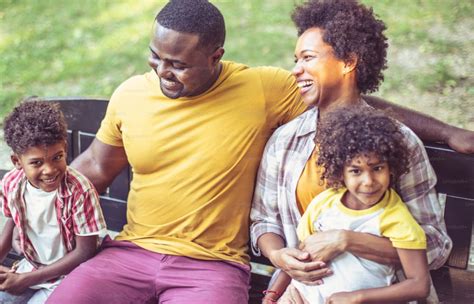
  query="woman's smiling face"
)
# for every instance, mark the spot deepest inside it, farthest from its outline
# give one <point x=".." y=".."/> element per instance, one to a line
<point x="318" y="72"/>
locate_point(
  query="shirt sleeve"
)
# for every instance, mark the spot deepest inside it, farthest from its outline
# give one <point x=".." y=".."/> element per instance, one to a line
<point x="417" y="190"/>
<point x="87" y="214"/>
<point x="110" y="128"/>
<point x="265" y="215"/>
<point x="282" y="96"/>
<point x="397" y="224"/>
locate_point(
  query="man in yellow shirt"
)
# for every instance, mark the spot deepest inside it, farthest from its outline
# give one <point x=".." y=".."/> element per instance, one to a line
<point x="193" y="130"/>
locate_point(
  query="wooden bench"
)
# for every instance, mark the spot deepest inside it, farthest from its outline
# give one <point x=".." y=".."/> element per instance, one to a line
<point x="454" y="282"/>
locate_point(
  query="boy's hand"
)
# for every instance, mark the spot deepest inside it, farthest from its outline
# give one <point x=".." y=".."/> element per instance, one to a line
<point x="13" y="283"/>
<point x="343" y="298"/>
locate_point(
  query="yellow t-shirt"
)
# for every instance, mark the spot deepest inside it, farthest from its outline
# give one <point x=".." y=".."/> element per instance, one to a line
<point x="195" y="159"/>
<point x="389" y="218"/>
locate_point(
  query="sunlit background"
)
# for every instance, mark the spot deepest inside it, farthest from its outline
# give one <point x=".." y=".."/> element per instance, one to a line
<point x="88" y="47"/>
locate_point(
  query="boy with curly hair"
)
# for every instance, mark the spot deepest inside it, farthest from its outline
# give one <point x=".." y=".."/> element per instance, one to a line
<point x="363" y="152"/>
<point x="54" y="208"/>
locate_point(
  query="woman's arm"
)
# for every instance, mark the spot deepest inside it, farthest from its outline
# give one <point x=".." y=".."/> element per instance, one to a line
<point x="427" y="127"/>
<point x="416" y="286"/>
<point x="16" y="283"/>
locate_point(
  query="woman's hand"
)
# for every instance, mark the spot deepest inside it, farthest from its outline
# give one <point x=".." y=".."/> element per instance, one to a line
<point x="325" y="246"/>
<point x="299" y="266"/>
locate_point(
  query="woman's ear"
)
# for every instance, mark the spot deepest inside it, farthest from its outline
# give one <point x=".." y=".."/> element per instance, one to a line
<point x="350" y="64"/>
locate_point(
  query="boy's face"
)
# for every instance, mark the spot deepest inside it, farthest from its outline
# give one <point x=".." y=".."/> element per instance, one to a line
<point x="366" y="179"/>
<point x="44" y="166"/>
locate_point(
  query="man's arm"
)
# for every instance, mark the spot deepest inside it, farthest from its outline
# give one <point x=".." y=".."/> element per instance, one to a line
<point x="427" y="127"/>
<point x="101" y="163"/>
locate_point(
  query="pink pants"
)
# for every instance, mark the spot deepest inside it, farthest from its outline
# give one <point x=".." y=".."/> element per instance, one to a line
<point x="122" y="272"/>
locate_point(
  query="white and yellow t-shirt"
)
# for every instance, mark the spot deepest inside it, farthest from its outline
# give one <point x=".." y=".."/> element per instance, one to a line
<point x="389" y="218"/>
<point x="195" y="159"/>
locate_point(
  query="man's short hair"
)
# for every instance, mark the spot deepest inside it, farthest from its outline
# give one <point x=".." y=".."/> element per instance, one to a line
<point x="195" y="17"/>
<point x="34" y="123"/>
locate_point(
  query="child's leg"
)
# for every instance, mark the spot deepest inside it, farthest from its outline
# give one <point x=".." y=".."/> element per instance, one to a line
<point x="23" y="298"/>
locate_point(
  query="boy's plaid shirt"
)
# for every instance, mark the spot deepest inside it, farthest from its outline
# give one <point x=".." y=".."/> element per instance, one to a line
<point x="77" y="209"/>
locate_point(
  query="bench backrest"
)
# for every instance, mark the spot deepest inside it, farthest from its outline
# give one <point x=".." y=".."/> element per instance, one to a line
<point x="455" y="173"/>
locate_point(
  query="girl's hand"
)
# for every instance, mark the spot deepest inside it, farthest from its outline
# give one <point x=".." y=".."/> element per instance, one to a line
<point x="343" y="298"/>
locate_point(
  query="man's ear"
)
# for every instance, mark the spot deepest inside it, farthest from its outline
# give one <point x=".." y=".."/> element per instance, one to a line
<point x="217" y="55"/>
<point x="351" y="63"/>
<point x="16" y="161"/>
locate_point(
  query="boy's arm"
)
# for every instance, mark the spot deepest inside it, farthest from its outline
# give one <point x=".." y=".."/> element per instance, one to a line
<point x="416" y="286"/>
<point x="16" y="283"/>
<point x="427" y="127"/>
<point x="6" y="238"/>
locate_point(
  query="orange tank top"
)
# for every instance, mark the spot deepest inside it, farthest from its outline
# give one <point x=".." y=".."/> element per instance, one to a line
<point x="309" y="184"/>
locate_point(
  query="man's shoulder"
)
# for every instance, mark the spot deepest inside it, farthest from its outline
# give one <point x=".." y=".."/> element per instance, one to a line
<point x="137" y="83"/>
<point x="264" y="72"/>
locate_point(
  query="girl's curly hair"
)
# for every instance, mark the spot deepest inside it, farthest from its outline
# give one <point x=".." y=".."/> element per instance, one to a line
<point x="350" y="29"/>
<point x="350" y="132"/>
<point x="34" y="123"/>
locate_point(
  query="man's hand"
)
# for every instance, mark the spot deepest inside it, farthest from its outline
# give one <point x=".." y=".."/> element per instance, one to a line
<point x="461" y="140"/>
<point x="343" y="298"/>
<point x="325" y="246"/>
<point x="292" y="296"/>
<point x="11" y="282"/>
<point x="298" y="265"/>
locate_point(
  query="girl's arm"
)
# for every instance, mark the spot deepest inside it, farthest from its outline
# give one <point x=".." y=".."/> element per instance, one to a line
<point x="416" y="286"/>
<point x="16" y="283"/>
<point x="6" y="238"/>
<point x="274" y="292"/>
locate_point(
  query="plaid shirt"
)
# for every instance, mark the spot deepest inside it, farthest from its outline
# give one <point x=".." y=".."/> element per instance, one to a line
<point x="77" y="209"/>
<point x="274" y="204"/>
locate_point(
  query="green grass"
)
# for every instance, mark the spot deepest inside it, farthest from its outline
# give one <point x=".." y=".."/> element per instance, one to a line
<point x="87" y="48"/>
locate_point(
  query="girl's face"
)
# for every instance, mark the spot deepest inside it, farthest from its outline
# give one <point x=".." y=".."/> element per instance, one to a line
<point x="366" y="179"/>
<point x="318" y="72"/>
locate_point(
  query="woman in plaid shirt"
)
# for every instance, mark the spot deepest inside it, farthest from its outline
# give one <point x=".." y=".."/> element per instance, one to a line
<point x="340" y="54"/>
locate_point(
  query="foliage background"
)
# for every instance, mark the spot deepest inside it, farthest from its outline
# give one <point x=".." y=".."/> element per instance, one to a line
<point x="88" y="47"/>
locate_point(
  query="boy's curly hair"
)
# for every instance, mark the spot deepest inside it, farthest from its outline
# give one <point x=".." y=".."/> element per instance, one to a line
<point x="350" y="132"/>
<point x="350" y="29"/>
<point x="34" y="123"/>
